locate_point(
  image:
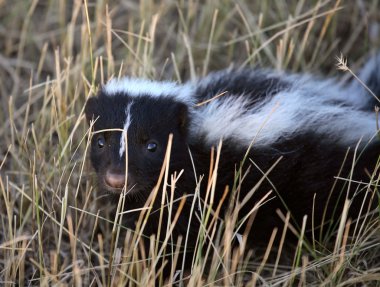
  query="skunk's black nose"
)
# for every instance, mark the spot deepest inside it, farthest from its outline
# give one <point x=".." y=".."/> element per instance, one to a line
<point x="115" y="179"/>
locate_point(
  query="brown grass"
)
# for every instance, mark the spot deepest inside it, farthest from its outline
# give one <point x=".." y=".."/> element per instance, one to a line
<point x="57" y="229"/>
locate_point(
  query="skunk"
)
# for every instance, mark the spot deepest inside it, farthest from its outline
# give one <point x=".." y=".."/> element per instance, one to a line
<point x="303" y="136"/>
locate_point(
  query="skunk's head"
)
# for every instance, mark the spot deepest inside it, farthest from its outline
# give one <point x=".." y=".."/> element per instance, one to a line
<point x="146" y="121"/>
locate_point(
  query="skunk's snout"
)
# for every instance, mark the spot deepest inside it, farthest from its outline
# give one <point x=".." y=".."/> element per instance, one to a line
<point x="115" y="179"/>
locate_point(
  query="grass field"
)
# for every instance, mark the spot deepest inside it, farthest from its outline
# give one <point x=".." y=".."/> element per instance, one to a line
<point x="56" y="228"/>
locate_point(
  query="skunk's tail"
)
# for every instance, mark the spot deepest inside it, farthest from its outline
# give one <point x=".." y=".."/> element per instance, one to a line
<point x="370" y="76"/>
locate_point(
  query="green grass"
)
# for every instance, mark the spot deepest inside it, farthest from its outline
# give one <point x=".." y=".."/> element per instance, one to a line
<point x="56" y="228"/>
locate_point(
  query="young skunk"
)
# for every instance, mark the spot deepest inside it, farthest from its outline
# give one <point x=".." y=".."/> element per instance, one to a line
<point x="317" y="128"/>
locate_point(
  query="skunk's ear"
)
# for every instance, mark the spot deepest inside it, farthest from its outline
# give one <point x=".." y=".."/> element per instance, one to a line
<point x="182" y="113"/>
<point x="91" y="109"/>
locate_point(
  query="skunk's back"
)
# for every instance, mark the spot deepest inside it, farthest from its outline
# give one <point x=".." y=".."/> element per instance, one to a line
<point x="266" y="107"/>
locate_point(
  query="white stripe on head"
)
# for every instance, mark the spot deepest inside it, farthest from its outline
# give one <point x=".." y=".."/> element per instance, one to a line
<point x="127" y="123"/>
<point x="144" y="87"/>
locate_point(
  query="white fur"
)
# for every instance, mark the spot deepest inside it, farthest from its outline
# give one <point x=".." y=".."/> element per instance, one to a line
<point x="319" y="106"/>
<point x="127" y="123"/>
<point x="143" y="87"/>
<point x="371" y="68"/>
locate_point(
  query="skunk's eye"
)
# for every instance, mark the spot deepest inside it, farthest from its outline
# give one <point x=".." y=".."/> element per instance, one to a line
<point x="151" y="146"/>
<point x="101" y="141"/>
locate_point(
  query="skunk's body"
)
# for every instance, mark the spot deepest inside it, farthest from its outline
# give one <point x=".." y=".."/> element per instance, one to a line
<point x="310" y="123"/>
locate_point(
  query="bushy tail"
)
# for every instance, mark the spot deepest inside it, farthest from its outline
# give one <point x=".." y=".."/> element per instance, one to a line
<point x="370" y="76"/>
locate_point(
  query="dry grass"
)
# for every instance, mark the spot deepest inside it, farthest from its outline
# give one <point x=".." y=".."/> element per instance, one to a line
<point x="56" y="228"/>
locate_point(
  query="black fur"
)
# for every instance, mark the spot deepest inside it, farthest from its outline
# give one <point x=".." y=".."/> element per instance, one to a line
<point x="261" y="84"/>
